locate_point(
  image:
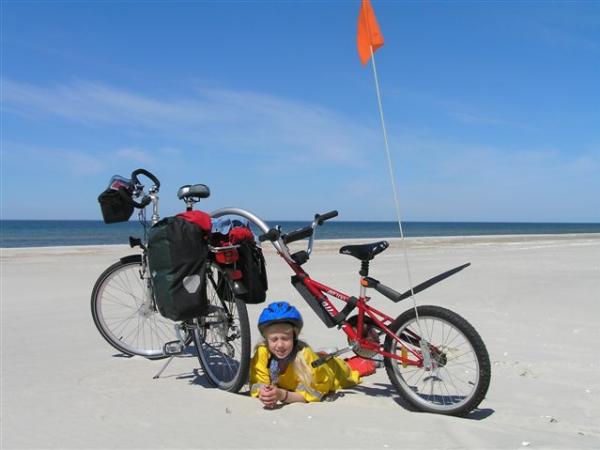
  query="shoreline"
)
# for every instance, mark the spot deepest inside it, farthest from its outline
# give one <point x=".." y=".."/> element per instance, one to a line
<point x="496" y="238"/>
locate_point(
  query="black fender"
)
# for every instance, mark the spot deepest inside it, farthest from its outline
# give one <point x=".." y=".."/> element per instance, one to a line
<point x="397" y="296"/>
<point x="131" y="259"/>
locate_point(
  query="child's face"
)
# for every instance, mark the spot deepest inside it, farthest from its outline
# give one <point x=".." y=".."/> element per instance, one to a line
<point x="280" y="339"/>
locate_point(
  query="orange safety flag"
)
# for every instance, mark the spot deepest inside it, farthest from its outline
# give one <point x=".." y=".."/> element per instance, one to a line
<point x="368" y="35"/>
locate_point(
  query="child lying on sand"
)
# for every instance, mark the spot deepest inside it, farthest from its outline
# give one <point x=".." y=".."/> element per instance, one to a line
<point x="281" y="371"/>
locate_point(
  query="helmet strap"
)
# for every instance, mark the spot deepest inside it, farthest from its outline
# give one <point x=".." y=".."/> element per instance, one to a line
<point x="284" y="362"/>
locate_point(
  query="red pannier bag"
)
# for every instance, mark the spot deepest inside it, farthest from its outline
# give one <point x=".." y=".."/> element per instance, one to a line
<point x="199" y="218"/>
<point x="251" y="263"/>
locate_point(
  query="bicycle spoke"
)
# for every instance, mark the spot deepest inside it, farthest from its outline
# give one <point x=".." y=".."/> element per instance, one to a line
<point x="126" y="316"/>
<point x="117" y="300"/>
<point x="453" y="376"/>
<point x="121" y="324"/>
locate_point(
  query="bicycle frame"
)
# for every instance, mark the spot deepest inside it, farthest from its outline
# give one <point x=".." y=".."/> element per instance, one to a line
<point x="316" y="295"/>
<point x="322" y="299"/>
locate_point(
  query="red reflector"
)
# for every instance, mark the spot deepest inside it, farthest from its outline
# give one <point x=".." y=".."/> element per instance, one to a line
<point x="227" y="256"/>
<point x="234" y="274"/>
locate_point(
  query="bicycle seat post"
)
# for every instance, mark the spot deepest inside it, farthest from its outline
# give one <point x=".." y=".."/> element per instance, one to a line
<point x="189" y="203"/>
<point x="364" y="268"/>
<point x="192" y="193"/>
<point x="363" y="272"/>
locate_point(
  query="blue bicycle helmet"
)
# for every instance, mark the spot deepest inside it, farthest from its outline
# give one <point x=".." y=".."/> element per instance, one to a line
<point x="280" y="312"/>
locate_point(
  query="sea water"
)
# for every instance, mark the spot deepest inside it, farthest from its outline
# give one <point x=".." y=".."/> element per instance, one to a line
<point x="49" y="233"/>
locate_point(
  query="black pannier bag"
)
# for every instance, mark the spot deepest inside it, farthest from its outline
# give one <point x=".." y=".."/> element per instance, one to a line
<point x="251" y="263"/>
<point x="177" y="254"/>
<point x="116" y="201"/>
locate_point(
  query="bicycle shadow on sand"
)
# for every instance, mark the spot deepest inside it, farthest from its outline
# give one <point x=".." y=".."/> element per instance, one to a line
<point x="166" y="369"/>
<point x="122" y="355"/>
<point x="387" y="390"/>
<point x="197" y="377"/>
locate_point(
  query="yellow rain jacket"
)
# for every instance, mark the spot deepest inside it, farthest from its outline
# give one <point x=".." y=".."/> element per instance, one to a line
<point x="333" y="375"/>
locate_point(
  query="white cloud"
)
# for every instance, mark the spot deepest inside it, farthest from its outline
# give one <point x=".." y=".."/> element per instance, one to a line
<point x="80" y="163"/>
<point x="170" y="151"/>
<point x="438" y="178"/>
<point x="565" y="36"/>
<point x="135" y="155"/>
<point x="462" y="111"/>
<point x="244" y="122"/>
<point x="51" y="161"/>
<point x="472" y="117"/>
<point x="74" y="162"/>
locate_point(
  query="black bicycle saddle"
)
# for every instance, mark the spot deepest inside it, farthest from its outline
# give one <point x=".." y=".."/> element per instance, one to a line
<point x="193" y="190"/>
<point x="365" y="252"/>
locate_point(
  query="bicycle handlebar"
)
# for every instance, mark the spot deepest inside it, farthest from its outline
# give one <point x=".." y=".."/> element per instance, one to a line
<point x="146" y="173"/>
<point x="138" y="188"/>
<point x="273" y="234"/>
<point x="320" y="218"/>
<point x="296" y="235"/>
<point x="146" y="200"/>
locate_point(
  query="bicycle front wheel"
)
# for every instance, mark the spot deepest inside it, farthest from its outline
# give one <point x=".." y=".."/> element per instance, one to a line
<point x="454" y="373"/>
<point x="125" y="314"/>
<point x="223" y="335"/>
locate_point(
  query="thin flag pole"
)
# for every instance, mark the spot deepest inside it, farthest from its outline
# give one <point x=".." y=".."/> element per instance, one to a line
<point x="393" y="180"/>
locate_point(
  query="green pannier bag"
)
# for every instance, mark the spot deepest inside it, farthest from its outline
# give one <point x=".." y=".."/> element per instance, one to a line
<point x="177" y="255"/>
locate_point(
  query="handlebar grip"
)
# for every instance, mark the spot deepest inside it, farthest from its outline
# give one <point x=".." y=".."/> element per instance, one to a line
<point x="150" y="175"/>
<point x="296" y="235"/>
<point x="320" y="218"/>
<point x="145" y="201"/>
<point x="271" y="235"/>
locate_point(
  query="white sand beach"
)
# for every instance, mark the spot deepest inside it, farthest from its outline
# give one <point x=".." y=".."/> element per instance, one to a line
<point x="535" y="300"/>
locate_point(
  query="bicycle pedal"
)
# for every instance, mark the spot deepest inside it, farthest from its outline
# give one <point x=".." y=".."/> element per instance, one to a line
<point x="173" y="348"/>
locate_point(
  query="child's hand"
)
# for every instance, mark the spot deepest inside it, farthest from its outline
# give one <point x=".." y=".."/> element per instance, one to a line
<point x="268" y="395"/>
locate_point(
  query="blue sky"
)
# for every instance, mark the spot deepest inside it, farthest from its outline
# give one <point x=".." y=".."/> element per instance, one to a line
<point x="492" y="108"/>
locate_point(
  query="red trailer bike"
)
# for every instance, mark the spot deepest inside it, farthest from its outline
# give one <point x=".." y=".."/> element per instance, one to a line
<point x="433" y="357"/>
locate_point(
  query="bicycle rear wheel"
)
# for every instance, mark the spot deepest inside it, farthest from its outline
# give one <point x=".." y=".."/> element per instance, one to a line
<point x="223" y="335"/>
<point x="455" y="374"/>
<point x="125" y="314"/>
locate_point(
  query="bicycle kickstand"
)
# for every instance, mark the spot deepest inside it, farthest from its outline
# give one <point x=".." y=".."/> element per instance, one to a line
<point x="173" y="348"/>
<point x="163" y="367"/>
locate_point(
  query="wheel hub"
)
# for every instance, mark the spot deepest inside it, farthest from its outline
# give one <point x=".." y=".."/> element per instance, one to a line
<point x="145" y="310"/>
<point x="440" y="359"/>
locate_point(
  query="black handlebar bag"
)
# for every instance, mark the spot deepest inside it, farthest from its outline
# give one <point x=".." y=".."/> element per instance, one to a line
<point x="177" y="255"/>
<point x="116" y="201"/>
